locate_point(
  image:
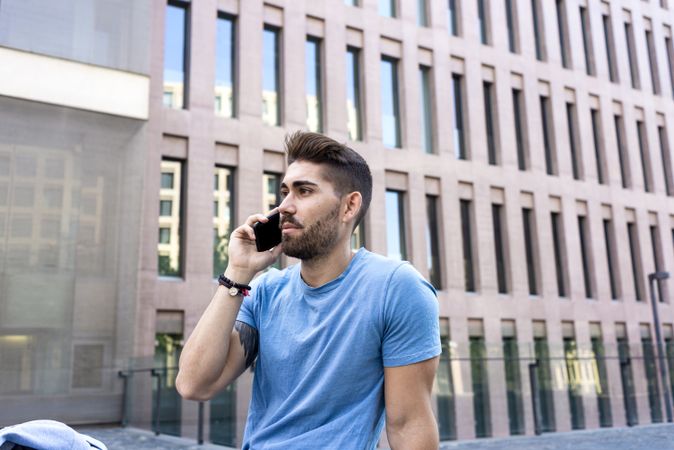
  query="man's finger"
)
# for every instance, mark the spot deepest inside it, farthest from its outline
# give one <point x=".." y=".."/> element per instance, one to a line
<point x="251" y="220"/>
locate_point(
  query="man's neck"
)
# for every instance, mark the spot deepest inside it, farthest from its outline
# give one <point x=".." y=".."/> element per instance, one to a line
<point x="323" y="269"/>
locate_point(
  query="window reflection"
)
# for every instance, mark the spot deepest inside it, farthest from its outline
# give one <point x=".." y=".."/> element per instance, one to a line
<point x="395" y="225"/>
<point x="175" y="62"/>
<point x="271" y="101"/>
<point x="353" y="106"/>
<point x="168" y="253"/>
<point x="224" y="67"/>
<point x="223" y="217"/>
<point x="313" y="85"/>
<point x="390" y="102"/>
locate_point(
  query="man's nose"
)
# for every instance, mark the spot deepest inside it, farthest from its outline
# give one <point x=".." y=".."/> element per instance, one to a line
<point x="287" y="206"/>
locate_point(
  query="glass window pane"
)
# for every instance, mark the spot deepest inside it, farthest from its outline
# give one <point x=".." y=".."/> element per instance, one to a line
<point x="468" y="245"/>
<point x="500" y="248"/>
<point x="223" y="218"/>
<point x="490" y="121"/>
<point x="480" y="382"/>
<point x="433" y="241"/>
<point x="353" y="93"/>
<point x="529" y="247"/>
<point x="422" y="13"/>
<point x="387" y="8"/>
<point x="169" y="254"/>
<point x="452" y="17"/>
<point x="458" y="117"/>
<point x="426" y="109"/>
<point x="390" y="103"/>
<point x="313" y="85"/>
<point x="174" y="56"/>
<point x="224" y="67"/>
<point x="271" y="96"/>
<point x="395" y="225"/>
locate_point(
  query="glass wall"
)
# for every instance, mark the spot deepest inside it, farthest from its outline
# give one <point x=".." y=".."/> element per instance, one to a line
<point x="601" y="376"/>
<point x="433" y="241"/>
<point x="445" y="386"/>
<point x="69" y="184"/>
<point x="511" y="363"/>
<point x="480" y="384"/>
<point x="426" y="109"/>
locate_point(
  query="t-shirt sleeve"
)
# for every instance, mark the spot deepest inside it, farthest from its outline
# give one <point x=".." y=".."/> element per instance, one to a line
<point x="248" y="311"/>
<point x="411" y="324"/>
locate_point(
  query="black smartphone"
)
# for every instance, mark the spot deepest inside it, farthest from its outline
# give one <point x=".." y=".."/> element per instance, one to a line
<point x="268" y="234"/>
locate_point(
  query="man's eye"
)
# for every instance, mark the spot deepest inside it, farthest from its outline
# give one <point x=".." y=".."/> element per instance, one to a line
<point x="305" y="191"/>
<point x="284" y="194"/>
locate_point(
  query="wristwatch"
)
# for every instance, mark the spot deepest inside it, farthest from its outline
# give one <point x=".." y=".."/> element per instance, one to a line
<point x="234" y="289"/>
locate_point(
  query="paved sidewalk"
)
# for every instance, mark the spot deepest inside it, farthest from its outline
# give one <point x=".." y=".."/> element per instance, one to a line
<point x="646" y="437"/>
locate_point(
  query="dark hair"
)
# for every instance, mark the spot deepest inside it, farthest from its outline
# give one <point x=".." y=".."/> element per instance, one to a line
<point x="348" y="170"/>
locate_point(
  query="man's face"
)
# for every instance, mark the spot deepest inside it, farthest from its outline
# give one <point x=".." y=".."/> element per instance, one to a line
<point x="309" y="211"/>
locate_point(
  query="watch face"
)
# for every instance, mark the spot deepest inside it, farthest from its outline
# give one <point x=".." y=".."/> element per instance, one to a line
<point x="233" y="291"/>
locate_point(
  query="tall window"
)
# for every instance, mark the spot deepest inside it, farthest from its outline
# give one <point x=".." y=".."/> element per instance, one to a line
<point x="529" y="229"/>
<point x="490" y="122"/>
<point x="632" y="56"/>
<point x="611" y="258"/>
<point x="645" y="158"/>
<point x="601" y="376"/>
<point x="511" y="363"/>
<point x="313" y="84"/>
<point x="558" y="245"/>
<point x="574" y="142"/>
<point x="390" y="104"/>
<point x="511" y="24"/>
<point x="353" y="102"/>
<point x="539" y="33"/>
<point x="610" y="48"/>
<point x="460" y="150"/>
<point x="588" y="48"/>
<point x="271" y="191"/>
<point x="351" y="2"/>
<point x="626" y="376"/>
<point x="657" y="258"/>
<point x="586" y="256"/>
<point x="271" y="80"/>
<point x="422" y="13"/>
<point x="395" y="225"/>
<point x="170" y="218"/>
<point x="635" y="258"/>
<point x="225" y="87"/>
<point x="483" y="22"/>
<point x="666" y="159"/>
<point x="574" y="383"/>
<point x="669" y="49"/>
<point x="653" y="62"/>
<point x="520" y="124"/>
<point x="426" y="109"/>
<point x="564" y="47"/>
<point x="548" y="136"/>
<point x="498" y="223"/>
<point x="622" y="152"/>
<point x="358" y="237"/>
<point x="175" y="54"/>
<point x="544" y="376"/>
<point x="468" y="245"/>
<point x="480" y="382"/>
<point x="433" y="241"/>
<point x="387" y="8"/>
<point x="651" y="374"/>
<point x="453" y="17"/>
<point x="598" y="140"/>
<point x="223" y="217"/>
<point x="445" y="383"/>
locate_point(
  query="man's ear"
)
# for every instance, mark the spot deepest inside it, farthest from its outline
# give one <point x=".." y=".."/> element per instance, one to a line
<point x="352" y="205"/>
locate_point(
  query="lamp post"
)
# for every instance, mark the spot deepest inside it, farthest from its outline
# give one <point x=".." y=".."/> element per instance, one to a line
<point x="653" y="278"/>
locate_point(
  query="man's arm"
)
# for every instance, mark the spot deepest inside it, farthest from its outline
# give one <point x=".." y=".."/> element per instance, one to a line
<point x="410" y="423"/>
<point x="217" y="351"/>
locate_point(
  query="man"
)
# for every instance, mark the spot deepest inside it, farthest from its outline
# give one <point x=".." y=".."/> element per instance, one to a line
<point x="339" y="339"/>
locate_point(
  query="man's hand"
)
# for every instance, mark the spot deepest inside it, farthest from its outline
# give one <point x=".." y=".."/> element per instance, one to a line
<point x="410" y="423"/>
<point x="244" y="259"/>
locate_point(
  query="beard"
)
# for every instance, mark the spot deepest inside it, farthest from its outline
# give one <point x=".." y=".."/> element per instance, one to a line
<point x="316" y="240"/>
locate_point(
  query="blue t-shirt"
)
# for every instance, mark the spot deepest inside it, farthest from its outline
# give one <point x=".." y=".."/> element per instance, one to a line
<point x="319" y="376"/>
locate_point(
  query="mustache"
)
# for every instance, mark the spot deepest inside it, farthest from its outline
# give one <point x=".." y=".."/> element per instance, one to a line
<point x="291" y="220"/>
